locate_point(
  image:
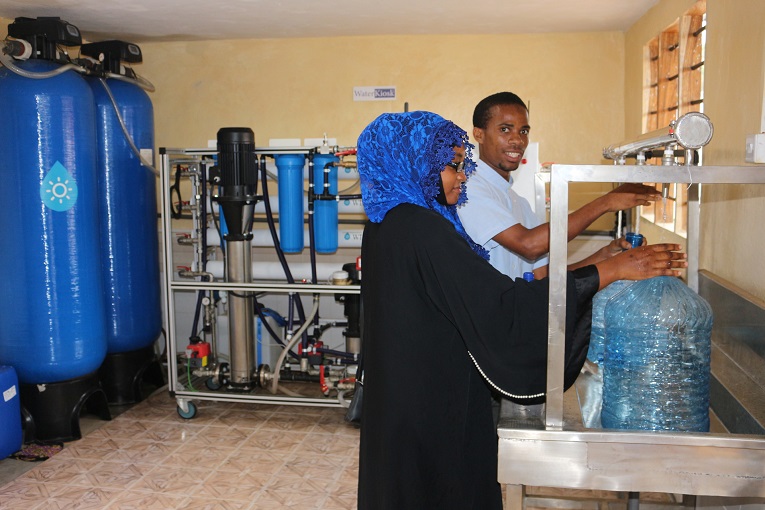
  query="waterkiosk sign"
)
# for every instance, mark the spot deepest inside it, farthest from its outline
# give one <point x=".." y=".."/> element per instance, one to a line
<point x="374" y="93"/>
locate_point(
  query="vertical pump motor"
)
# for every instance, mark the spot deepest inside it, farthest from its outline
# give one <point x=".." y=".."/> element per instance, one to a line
<point x="237" y="164"/>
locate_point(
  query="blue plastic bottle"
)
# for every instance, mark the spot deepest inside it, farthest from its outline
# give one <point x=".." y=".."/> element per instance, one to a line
<point x="290" y="181"/>
<point x="657" y="356"/>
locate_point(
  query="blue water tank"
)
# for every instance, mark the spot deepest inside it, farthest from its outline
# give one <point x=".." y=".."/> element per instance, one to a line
<point x="325" y="211"/>
<point x="290" y="180"/>
<point x="52" y="314"/>
<point x="657" y="358"/>
<point x="128" y="208"/>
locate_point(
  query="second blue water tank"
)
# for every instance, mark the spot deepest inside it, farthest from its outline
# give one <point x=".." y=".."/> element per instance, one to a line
<point x="128" y="207"/>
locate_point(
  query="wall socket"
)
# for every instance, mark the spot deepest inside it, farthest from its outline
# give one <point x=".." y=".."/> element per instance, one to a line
<point x="755" y="148"/>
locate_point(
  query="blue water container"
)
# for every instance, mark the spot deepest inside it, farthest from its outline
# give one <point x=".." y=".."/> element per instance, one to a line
<point x="598" y="331"/>
<point x="597" y="347"/>
<point x="290" y="179"/>
<point x="657" y="358"/>
<point x="52" y="313"/>
<point x="325" y="211"/>
<point x="128" y="205"/>
<point x="10" y="412"/>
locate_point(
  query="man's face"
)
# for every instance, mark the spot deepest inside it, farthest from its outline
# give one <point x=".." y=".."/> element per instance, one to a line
<point x="504" y="140"/>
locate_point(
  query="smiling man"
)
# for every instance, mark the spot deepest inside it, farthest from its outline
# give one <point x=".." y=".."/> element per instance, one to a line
<point x="500" y="220"/>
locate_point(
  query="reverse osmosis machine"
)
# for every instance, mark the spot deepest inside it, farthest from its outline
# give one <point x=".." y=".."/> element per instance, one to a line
<point x="79" y="237"/>
<point x="271" y="277"/>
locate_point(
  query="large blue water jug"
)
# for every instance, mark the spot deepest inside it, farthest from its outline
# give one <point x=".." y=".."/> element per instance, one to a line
<point x="597" y="347"/>
<point x="598" y="331"/>
<point x="656" y="363"/>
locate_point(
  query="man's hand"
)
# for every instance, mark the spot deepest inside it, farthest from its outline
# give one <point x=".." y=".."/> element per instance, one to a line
<point x="628" y="196"/>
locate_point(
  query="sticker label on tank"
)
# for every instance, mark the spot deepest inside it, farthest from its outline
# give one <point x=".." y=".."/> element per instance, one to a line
<point x="9" y="393"/>
<point x="59" y="189"/>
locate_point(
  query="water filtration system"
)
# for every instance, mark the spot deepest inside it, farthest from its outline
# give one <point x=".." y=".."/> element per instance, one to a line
<point x="80" y="237"/>
<point x="265" y="318"/>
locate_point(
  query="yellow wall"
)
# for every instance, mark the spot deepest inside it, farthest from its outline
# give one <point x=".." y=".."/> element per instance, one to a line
<point x="297" y="88"/>
<point x="732" y="215"/>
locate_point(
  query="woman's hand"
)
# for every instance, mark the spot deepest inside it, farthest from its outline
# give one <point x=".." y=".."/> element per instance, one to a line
<point x="642" y="262"/>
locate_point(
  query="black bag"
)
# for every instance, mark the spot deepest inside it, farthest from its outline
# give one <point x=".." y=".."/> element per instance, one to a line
<point x="353" y="415"/>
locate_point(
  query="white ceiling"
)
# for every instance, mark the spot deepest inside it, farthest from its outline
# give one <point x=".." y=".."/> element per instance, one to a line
<point x="168" y="20"/>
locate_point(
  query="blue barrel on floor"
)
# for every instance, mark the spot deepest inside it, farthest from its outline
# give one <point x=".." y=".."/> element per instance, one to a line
<point x="10" y="412"/>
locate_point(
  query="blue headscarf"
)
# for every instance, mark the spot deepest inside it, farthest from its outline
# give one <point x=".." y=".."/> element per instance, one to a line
<point x="400" y="158"/>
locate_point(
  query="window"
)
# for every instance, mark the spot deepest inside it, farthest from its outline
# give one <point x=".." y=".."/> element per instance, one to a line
<point x="674" y="85"/>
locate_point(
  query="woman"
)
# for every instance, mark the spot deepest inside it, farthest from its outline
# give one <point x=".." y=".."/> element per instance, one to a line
<point x="442" y="328"/>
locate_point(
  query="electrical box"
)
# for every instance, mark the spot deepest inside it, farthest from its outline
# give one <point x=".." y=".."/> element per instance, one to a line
<point x="755" y="148"/>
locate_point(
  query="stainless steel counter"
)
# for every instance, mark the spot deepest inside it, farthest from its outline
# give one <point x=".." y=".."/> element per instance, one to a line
<point x="551" y="446"/>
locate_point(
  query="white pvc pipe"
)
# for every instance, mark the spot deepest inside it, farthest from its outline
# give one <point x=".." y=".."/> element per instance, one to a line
<point x="346" y="238"/>
<point x="273" y="270"/>
<point x="343" y="206"/>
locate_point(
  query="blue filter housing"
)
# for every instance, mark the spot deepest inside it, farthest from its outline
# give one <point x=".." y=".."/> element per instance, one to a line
<point x="290" y="181"/>
<point x="10" y="412"/>
<point x="325" y="211"/>
<point x="52" y="314"/>
<point x="657" y="358"/>
<point x="128" y="208"/>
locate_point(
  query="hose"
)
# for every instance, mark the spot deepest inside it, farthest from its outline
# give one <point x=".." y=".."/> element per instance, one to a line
<point x="7" y="61"/>
<point x="275" y="237"/>
<point x="125" y="130"/>
<point x="295" y="339"/>
<point x="261" y="315"/>
<point x="138" y="80"/>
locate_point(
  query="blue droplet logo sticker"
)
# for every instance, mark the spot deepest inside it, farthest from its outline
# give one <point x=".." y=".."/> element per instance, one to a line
<point x="347" y="236"/>
<point x="59" y="189"/>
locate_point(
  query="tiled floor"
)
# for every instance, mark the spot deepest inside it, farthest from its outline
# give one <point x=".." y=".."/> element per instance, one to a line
<point x="230" y="456"/>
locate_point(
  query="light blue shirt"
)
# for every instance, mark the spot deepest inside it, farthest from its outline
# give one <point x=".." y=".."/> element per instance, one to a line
<point x="492" y="207"/>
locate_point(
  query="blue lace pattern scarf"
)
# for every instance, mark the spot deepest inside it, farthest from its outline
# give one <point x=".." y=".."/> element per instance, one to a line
<point x="400" y="158"/>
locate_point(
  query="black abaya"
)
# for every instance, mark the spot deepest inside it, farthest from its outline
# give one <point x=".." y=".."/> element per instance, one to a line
<point x="442" y="327"/>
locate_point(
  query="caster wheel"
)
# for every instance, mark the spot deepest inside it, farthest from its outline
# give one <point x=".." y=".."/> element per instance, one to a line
<point x="188" y="414"/>
<point x="210" y="384"/>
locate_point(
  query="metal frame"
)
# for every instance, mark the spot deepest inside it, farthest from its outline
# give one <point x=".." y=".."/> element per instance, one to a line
<point x="557" y="451"/>
<point x="172" y="285"/>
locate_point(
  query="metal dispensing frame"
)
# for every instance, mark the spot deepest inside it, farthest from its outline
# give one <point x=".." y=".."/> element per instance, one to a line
<point x="555" y="449"/>
<point x="183" y="395"/>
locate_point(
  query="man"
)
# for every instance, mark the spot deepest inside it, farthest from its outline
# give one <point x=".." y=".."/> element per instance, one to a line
<point x="498" y="218"/>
